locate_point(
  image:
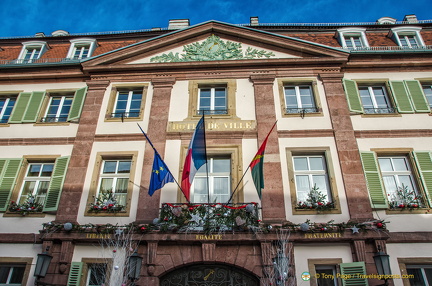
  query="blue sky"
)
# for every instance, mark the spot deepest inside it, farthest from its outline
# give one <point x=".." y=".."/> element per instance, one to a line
<point x="27" y="17"/>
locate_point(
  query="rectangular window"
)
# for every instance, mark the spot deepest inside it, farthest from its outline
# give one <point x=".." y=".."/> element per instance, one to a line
<point x="420" y="275"/>
<point x="399" y="182"/>
<point x="96" y="275"/>
<point x="375" y="99"/>
<point x="36" y="182"/>
<point x="299" y="98"/>
<point x="353" y="42"/>
<point x="114" y="179"/>
<point x="219" y="181"/>
<point x="80" y="51"/>
<point x="310" y="172"/>
<point x="127" y="103"/>
<point x="212" y="100"/>
<point x="58" y="108"/>
<point x="12" y="274"/>
<point x="32" y="53"/>
<point x="408" y="41"/>
<point x="6" y="106"/>
<point x="427" y="89"/>
<point x="326" y="275"/>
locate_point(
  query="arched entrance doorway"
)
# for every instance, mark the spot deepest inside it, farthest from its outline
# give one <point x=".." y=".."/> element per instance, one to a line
<point x="209" y="274"/>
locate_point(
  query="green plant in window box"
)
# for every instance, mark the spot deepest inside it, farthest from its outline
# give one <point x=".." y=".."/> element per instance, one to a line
<point x="404" y="199"/>
<point x="30" y="205"/>
<point x="316" y="200"/>
<point x="106" y="202"/>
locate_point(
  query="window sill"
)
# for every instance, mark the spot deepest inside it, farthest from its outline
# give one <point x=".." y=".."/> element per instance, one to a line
<point x="315" y="211"/>
<point x="107" y="214"/>
<point x="17" y="214"/>
<point x="52" y="124"/>
<point x="125" y="119"/>
<point x="302" y="115"/>
<point x="381" y="115"/>
<point x="408" y="211"/>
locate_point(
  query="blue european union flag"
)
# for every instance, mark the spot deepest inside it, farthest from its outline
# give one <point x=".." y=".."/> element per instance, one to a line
<point x="160" y="175"/>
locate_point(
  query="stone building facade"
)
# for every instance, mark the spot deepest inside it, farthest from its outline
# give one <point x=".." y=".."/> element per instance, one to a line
<point x="347" y="169"/>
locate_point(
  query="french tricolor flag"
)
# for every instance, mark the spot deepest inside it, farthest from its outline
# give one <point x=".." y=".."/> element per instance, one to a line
<point x="195" y="158"/>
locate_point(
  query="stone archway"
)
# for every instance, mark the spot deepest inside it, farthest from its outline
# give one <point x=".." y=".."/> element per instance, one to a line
<point x="209" y="274"/>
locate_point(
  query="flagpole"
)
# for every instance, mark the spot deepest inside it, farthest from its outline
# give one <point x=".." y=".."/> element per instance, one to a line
<point x="157" y="154"/>
<point x="205" y="151"/>
<point x="238" y="184"/>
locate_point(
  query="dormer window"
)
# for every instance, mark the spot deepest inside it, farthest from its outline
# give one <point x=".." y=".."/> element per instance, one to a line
<point x="81" y="48"/>
<point x="31" y="51"/>
<point x="407" y="37"/>
<point x="352" y="38"/>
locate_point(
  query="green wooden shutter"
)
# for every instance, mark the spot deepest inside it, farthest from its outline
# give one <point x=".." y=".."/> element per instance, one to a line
<point x="34" y="106"/>
<point x="417" y="96"/>
<point x="8" y="176"/>
<point x="75" y="274"/>
<point x="77" y="104"/>
<point x="373" y="180"/>
<point x="424" y="166"/>
<point x="352" y="272"/>
<point x="353" y="97"/>
<point x="56" y="184"/>
<point x="20" y="107"/>
<point x="401" y="97"/>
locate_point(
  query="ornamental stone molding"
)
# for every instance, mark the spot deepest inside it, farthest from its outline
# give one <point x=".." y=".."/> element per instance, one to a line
<point x="212" y="49"/>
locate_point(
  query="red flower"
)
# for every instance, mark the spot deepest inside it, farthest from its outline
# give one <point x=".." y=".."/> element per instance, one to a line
<point x="165" y="219"/>
<point x="320" y="203"/>
<point x="95" y="207"/>
<point x="258" y="220"/>
<point x="143" y="228"/>
<point x="104" y="208"/>
<point x="401" y="205"/>
<point x="110" y="205"/>
<point x="191" y="208"/>
<point x="414" y="205"/>
<point x="379" y="224"/>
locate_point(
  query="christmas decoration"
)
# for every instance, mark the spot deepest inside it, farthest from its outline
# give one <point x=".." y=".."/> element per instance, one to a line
<point x="355" y="229"/>
<point x="106" y="202"/>
<point x="316" y="200"/>
<point x="404" y="199"/>
<point x="30" y="205"/>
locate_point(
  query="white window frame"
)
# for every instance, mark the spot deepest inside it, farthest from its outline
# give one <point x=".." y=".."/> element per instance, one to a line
<point x="128" y="103"/>
<point x="373" y="98"/>
<point x="396" y="174"/>
<point x="396" y="33"/>
<point x="310" y="173"/>
<point x="3" y="110"/>
<point x="428" y="95"/>
<point x="91" y="267"/>
<point x="78" y="43"/>
<point x="38" y="180"/>
<point x="33" y="45"/>
<point x="12" y="266"/>
<point x="60" y="107"/>
<point x="211" y="180"/>
<point x="300" y="106"/>
<point x="421" y="267"/>
<point x="121" y="197"/>
<point x="344" y="33"/>
<point x="333" y="268"/>
<point x="212" y="107"/>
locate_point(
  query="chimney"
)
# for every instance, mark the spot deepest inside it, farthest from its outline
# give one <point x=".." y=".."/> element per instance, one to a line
<point x="178" y="24"/>
<point x="254" y="21"/>
<point x="410" y="18"/>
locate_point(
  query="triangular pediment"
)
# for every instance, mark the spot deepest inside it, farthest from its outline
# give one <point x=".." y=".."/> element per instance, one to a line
<point x="215" y="41"/>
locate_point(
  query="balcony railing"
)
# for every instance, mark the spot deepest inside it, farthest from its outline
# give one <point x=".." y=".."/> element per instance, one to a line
<point x="50" y="119"/>
<point x="209" y="218"/>
<point x="212" y="112"/>
<point x="387" y="110"/>
<point x="390" y="49"/>
<point x="124" y="115"/>
<point x="38" y="61"/>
